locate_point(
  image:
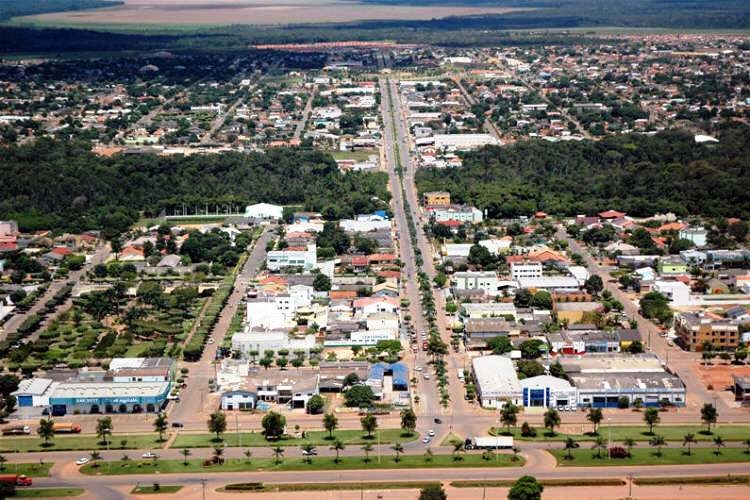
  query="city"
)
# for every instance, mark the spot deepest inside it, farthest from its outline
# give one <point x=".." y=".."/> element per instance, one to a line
<point x="378" y="269"/>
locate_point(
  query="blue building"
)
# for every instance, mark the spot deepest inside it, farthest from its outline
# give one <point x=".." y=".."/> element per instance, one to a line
<point x="108" y="397"/>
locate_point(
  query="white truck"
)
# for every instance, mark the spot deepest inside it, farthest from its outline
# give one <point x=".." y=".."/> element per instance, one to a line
<point x="490" y="443"/>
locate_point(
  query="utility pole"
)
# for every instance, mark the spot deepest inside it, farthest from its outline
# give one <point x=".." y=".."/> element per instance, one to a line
<point x="203" y="484"/>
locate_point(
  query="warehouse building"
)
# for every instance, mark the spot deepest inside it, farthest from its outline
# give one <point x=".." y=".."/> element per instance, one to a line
<point x="108" y="397"/>
<point x="496" y="381"/>
<point x="548" y="391"/>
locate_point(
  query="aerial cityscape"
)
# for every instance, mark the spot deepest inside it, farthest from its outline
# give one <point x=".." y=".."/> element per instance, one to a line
<point x="375" y="249"/>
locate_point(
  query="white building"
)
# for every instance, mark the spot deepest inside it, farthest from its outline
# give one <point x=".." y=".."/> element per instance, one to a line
<point x="274" y="340"/>
<point x="697" y="235"/>
<point x="519" y="270"/>
<point x="464" y="141"/>
<point x="580" y="273"/>
<point x="363" y="226"/>
<point x="677" y="292"/>
<point x="383" y="321"/>
<point x="277" y="311"/>
<point x="478" y="280"/>
<point x="264" y="211"/>
<point x="550" y="283"/>
<point x="457" y="250"/>
<point x="279" y="259"/>
<point x="498" y="246"/>
<point x="496" y="381"/>
<point x="460" y="214"/>
<point x="548" y="391"/>
<point x="488" y="310"/>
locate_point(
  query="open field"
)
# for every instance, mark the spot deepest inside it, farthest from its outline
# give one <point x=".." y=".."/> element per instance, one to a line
<point x="259" y="12"/>
<point x="299" y="464"/>
<point x="719" y="376"/>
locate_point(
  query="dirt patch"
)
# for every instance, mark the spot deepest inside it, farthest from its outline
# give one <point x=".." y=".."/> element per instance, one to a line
<point x="196" y="12"/>
<point x="720" y="375"/>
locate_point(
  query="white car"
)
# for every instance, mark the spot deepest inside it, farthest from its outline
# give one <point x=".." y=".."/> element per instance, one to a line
<point x="149" y="454"/>
<point x="306" y="453"/>
<point x="427" y="376"/>
<point x="210" y="341"/>
<point x="418" y="368"/>
<point x="427" y="439"/>
<point x="431" y="433"/>
<point x="83" y="461"/>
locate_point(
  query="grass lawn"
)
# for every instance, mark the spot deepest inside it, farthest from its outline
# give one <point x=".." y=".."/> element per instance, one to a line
<point x="294" y="464"/>
<point x="728" y="479"/>
<point x="48" y="492"/>
<point x="80" y="442"/>
<point x="318" y="438"/>
<point x="360" y="155"/>
<point x="507" y="483"/>
<point x="279" y="487"/>
<point x="640" y="433"/>
<point x="449" y="438"/>
<point x="149" y="490"/>
<point x="583" y="457"/>
<point x="31" y="470"/>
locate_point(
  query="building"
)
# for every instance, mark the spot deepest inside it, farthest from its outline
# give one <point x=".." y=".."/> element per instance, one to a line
<point x="238" y="400"/>
<point x="108" y="397"/>
<point x="142" y="369"/>
<point x="489" y="310"/>
<point x="463" y="214"/>
<point x="463" y="142"/>
<point x="520" y="270"/>
<point x="264" y="211"/>
<point x="304" y="257"/>
<point x="436" y="199"/>
<point x="741" y="389"/>
<point x="33" y="392"/>
<point x="496" y="381"/>
<point x="694" y="329"/>
<point x="697" y="235"/>
<point x="550" y="283"/>
<point x="248" y="341"/>
<point x="548" y="391"/>
<point x="487" y="281"/>
<point x="677" y="292"/>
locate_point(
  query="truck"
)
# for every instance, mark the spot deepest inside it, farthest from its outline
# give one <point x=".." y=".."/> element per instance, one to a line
<point x="66" y="428"/>
<point x="489" y="443"/>
<point x="16" y="479"/>
<point x="15" y="430"/>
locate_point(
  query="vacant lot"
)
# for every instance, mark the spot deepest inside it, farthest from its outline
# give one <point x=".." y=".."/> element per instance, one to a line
<point x="207" y="12"/>
<point x="720" y="375"/>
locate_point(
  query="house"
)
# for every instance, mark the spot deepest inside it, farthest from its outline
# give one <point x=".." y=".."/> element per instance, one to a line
<point x="738" y="314"/>
<point x="371" y="305"/>
<point x="171" y="260"/>
<point x="436" y="199"/>
<point x="264" y="211"/>
<point x="487" y="281"/>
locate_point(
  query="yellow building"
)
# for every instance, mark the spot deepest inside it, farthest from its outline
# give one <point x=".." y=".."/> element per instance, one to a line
<point x="436" y="198"/>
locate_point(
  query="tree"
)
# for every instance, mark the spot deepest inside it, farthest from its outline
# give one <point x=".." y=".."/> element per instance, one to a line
<point x="440" y="280"/>
<point x="629" y="443"/>
<point x="2" y="462"/>
<point x="651" y="417"/>
<point x="408" y="420"/>
<point x="265" y="362"/>
<point x="278" y="452"/>
<point x="330" y="423"/>
<point x="398" y="448"/>
<point x="746" y="442"/>
<point x="551" y="420"/>
<point x="367" y="448"/>
<point x="185" y="452"/>
<point x="104" y="428"/>
<point x="458" y="448"/>
<point x="509" y="416"/>
<point x="570" y="444"/>
<point x="95" y="457"/>
<point x="599" y="443"/>
<point x="688" y="440"/>
<point x="217" y="423"/>
<point x="337" y="446"/>
<point x="526" y="488"/>
<point x="595" y="416"/>
<point x="656" y="306"/>
<point x="499" y="345"/>
<point x="657" y="442"/>
<point x="273" y="425"/>
<point x="709" y="415"/>
<point x="432" y="492"/>
<point x="594" y="285"/>
<point x="522" y="298"/>
<point x="542" y="299"/>
<point x="718" y="442"/>
<point x="369" y="424"/>
<point x="321" y="283"/>
<point x="46" y="430"/>
<point x="359" y="396"/>
<point x="316" y="403"/>
<point x="160" y="425"/>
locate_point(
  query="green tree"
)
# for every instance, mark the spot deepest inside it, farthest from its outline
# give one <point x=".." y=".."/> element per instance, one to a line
<point x="509" y="416"/>
<point x="718" y="442"/>
<point x="217" y="423"/>
<point x="499" y="345"/>
<point x="278" y="452"/>
<point x="709" y="415"/>
<point x="594" y="285"/>
<point x="185" y="452"/>
<point x="104" y="429"/>
<point x="526" y="488"/>
<point x="599" y="443"/>
<point x="657" y="442"/>
<point x="688" y="440"/>
<point x="369" y="424"/>
<point x="316" y="403"/>
<point x="367" y="448"/>
<point x="398" y="449"/>
<point x="551" y="420"/>
<point x="359" y="396"/>
<point x="46" y="430"/>
<point x="651" y="417"/>
<point x="408" y="420"/>
<point x="321" y="283"/>
<point x="570" y="444"/>
<point x="309" y="451"/>
<point x="629" y="443"/>
<point x="160" y="425"/>
<point x="330" y="423"/>
<point x="432" y="492"/>
<point x="95" y="457"/>
<point x="595" y="416"/>
<point x="337" y="446"/>
<point x="458" y="448"/>
<point x="248" y="454"/>
<point x="273" y="424"/>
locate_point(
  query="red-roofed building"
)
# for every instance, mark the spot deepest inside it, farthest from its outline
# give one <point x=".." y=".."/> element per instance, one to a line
<point x="611" y="214"/>
<point x="389" y="274"/>
<point x="672" y="226"/>
<point x="540" y="215"/>
<point x="342" y="294"/>
<point x="64" y="251"/>
<point x="381" y="258"/>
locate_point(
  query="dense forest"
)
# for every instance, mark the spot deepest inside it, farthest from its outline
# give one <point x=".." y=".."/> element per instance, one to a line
<point x="58" y="184"/>
<point x="636" y="173"/>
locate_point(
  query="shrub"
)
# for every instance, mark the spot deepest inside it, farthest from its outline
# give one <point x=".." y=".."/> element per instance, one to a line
<point x="244" y="487"/>
<point x="527" y="430"/>
<point x="618" y="452"/>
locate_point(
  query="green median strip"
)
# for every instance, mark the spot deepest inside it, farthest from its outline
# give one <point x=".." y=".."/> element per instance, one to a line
<point x="47" y="492"/>
<point x="77" y="442"/>
<point x="507" y="483"/>
<point x="617" y="433"/>
<point x="287" y="487"/>
<point x="317" y="438"/>
<point x="300" y="464"/>
<point x="582" y="457"/>
<point x="31" y="470"/>
<point x="155" y="489"/>
<point x="728" y="479"/>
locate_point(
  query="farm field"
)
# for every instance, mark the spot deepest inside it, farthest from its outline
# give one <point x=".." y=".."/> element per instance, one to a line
<point x="204" y="12"/>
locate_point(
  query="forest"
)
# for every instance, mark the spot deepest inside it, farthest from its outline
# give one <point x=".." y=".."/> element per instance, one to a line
<point x="58" y="184"/>
<point x="639" y="174"/>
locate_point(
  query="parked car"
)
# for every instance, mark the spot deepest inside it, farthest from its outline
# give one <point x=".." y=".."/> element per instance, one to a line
<point x="83" y="461"/>
<point x="178" y="425"/>
<point x="149" y="454"/>
<point x="438" y="421"/>
<point x="431" y="433"/>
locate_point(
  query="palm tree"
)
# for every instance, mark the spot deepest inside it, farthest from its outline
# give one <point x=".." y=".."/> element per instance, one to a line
<point x="569" y="445"/>
<point x="248" y="454"/>
<point x="657" y="441"/>
<point x="2" y="462"/>
<point x="398" y="449"/>
<point x="630" y="443"/>
<point x="309" y="450"/>
<point x="46" y="430"/>
<point x="367" y="448"/>
<point x="277" y="453"/>
<point x="595" y="416"/>
<point x="688" y="440"/>
<point x="160" y="425"/>
<point x="428" y="455"/>
<point x="746" y="442"/>
<point x="337" y="447"/>
<point x="330" y="423"/>
<point x="185" y="452"/>
<point x="599" y="443"/>
<point x="95" y="456"/>
<point x="551" y="420"/>
<point x="651" y="417"/>
<point x="218" y="452"/>
<point x="125" y="458"/>
<point x="458" y="448"/>
<point x="718" y="442"/>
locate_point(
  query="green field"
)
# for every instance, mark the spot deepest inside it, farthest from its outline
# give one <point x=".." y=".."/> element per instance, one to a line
<point x="318" y="438"/>
<point x="63" y="443"/>
<point x="640" y="433"/>
<point x="281" y="487"/>
<point x="48" y="492"/>
<point x="583" y="457"/>
<point x="361" y="155"/>
<point x="298" y="464"/>
<point x="31" y="470"/>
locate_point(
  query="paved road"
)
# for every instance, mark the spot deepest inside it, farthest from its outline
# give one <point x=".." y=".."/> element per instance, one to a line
<point x="305" y="114"/>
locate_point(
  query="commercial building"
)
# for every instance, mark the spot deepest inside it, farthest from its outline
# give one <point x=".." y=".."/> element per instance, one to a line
<point x="248" y="341"/>
<point x="436" y="199"/>
<point x="550" y="283"/>
<point x="108" y="397"/>
<point x="304" y="257"/>
<point x="698" y="235"/>
<point x="519" y="270"/>
<point x="694" y="329"/>
<point x="548" y="391"/>
<point x="264" y="211"/>
<point x="488" y="281"/>
<point x="463" y="142"/>
<point x="496" y="381"/>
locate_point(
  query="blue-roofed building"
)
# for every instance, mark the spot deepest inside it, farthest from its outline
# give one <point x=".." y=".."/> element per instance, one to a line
<point x="399" y="373"/>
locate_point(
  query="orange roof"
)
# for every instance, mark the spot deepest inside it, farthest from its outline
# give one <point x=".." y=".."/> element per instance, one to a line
<point x="342" y="294"/>
<point x="360" y="260"/>
<point x="546" y="255"/>
<point x="672" y="226"/>
<point x="132" y="251"/>
<point x="62" y="251"/>
<point x="611" y="214"/>
<point x="382" y="256"/>
<point x="659" y="241"/>
<point x="514" y="258"/>
<point x="540" y="215"/>
<point x="364" y="302"/>
<point x="273" y="280"/>
<point x="397" y="274"/>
